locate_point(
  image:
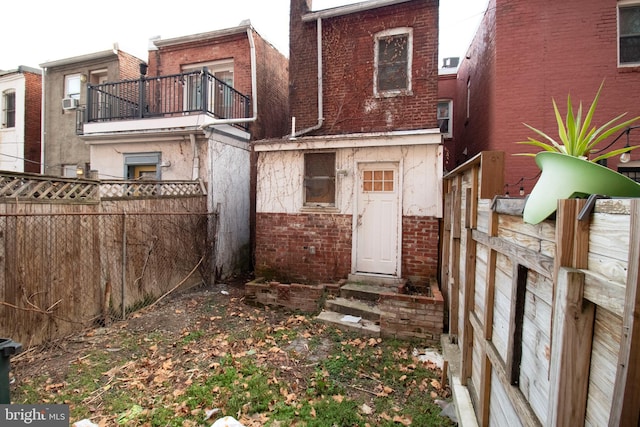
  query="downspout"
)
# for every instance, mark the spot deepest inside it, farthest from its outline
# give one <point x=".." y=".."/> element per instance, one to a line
<point x="195" y="169"/>
<point x="254" y="90"/>
<point x="320" y="106"/>
<point x="43" y="131"/>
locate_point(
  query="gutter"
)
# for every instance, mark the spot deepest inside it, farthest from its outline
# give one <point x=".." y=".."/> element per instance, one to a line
<point x="318" y="125"/>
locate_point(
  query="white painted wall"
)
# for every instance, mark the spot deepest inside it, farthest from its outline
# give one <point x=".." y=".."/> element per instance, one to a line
<point x="281" y="172"/>
<point x="229" y="196"/>
<point x="223" y="164"/>
<point x="108" y="158"/>
<point x="12" y="139"/>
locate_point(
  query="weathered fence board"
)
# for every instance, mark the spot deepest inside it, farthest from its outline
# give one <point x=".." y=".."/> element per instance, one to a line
<point x="62" y="265"/>
<point x="542" y="313"/>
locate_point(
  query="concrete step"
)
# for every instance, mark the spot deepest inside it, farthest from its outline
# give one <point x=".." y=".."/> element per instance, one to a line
<point x="365" y="291"/>
<point x="364" y="327"/>
<point x="366" y="309"/>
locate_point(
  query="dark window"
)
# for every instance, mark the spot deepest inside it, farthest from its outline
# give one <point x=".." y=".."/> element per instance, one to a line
<point x="320" y="179"/>
<point x="631" y="172"/>
<point x="9" y="109"/>
<point x="393" y="63"/>
<point x="629" y="30"/>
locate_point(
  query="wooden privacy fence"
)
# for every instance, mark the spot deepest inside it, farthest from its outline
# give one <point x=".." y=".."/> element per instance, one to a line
<point x="68" y="265"/>
<point x="545" y="316"/>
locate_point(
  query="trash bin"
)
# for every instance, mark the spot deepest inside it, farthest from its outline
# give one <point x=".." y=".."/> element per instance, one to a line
<point x="7" y="349"/>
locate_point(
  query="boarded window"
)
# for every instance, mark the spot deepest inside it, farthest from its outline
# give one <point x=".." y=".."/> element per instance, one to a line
<point x="377" y="181"/>
<point x="320" y="179"/>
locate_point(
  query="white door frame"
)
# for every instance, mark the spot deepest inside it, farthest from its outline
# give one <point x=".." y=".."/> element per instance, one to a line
<point x="357" y="182"/>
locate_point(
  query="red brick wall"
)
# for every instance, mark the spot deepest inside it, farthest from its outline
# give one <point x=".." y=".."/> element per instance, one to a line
<point x="348" y="70"/>
<point x="273" y="91"/>
<point x="283" y="242"/>
<point x="33" y="123"/>
<point x="528" y="53"/>
<point x="447" y="89"/>
<point x="129" y="66"/>
<point x="420" y="248"/>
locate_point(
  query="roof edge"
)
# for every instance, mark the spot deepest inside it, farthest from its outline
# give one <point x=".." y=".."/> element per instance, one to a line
<point x="350" y="8"/>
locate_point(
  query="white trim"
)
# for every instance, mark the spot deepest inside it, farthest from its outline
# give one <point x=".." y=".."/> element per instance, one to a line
<point x="382" y="139"/>
<point x="623" y="3"/>
<point x="450" y="117"/>
<point x="350" y="8"/>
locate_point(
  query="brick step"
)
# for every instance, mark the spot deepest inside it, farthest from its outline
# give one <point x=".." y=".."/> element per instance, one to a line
<point x="364" y="327"/>
<point x="365" y="291"/>
<point x="366" y="309"/>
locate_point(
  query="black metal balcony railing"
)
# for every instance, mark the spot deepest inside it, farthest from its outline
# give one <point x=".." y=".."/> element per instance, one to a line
<point x="165" y="96"/>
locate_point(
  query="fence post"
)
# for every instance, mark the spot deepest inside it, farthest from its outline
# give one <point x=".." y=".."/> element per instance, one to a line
<point x="624" y="410"/>
<point x="124" y="263"/>
<point x="572" y="320"/>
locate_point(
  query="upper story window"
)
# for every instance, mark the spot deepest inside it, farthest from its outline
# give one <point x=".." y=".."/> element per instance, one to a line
<point x="445" y="109"/>
<point x="8" y="109"/>
<point x="393" y="57"/>
<point x="72" y="85"/>
<point x="320" y="179"/>
<point x="629" y="33"/>
<point x="219" y="97"/>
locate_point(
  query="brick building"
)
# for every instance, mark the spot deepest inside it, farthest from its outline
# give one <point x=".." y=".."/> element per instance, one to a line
<point x="189" y="114"/>
<point x="355" y="188"/>
<point x="65" y="96"/>
<point x="525" y="54"/>
<point x="20" y="125"/>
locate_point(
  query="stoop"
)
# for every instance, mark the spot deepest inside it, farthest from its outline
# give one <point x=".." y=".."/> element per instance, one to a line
<point x="359" y="300"/>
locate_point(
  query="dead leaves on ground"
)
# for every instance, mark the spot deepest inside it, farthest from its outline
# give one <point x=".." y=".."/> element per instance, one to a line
<point x="159" y="370"/>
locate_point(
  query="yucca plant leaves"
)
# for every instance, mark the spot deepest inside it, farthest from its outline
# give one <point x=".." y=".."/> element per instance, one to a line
<point x="576" y="136"/>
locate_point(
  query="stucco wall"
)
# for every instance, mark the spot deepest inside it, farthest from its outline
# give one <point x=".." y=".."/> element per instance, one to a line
<point x="280" y="178"/>
<point x="229" y="196"/>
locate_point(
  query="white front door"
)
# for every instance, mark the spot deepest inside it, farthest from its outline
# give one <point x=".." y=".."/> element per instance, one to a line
<point x="377" y="227"/>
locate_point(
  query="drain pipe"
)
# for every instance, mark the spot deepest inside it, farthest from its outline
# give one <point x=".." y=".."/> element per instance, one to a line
<point x="43" y="130"/>
<point x="318" y="125"/>
<point x="195" y="169"/>
<point x="254" y="90"/>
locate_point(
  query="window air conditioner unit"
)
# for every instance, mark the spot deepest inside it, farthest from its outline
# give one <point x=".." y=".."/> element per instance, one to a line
<point x="69" y="103"/>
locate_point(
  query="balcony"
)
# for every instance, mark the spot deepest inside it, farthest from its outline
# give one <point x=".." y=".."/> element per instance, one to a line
<point x="178" y="95"/>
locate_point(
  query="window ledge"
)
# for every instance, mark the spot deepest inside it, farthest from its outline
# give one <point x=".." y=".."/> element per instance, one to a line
<point x="393" y="94"/>
<point x="319" y="209"/>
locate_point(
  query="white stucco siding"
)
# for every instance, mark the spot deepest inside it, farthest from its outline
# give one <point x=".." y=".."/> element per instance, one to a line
<point x="109" y="158"/>
<point x="280" y="177"/>
<point x="229" y="196"/>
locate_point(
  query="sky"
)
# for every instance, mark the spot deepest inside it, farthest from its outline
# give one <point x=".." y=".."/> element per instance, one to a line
<point x="60" y="29"/>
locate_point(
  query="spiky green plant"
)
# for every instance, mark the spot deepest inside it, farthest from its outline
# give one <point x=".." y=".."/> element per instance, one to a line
<point x="576" y="136"/>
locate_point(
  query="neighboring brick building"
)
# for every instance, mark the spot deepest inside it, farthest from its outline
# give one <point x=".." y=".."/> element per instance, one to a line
<point x="20" y="125"/>
<point x="525" y="54"/>
<point x="189" y="114"/>
<point x="65" y="97"/>
<point x="355" y="190"/>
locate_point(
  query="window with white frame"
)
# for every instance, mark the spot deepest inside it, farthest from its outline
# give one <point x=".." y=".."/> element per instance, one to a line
<point x="393" y="58"/>
<point x="72" y="85"/>
<point x="220" y="98"/>
<point x="629" y="33"/>
<point x="320" y="179"/>
<point x="9" y="109"/>
<point x="445" y="109"/>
